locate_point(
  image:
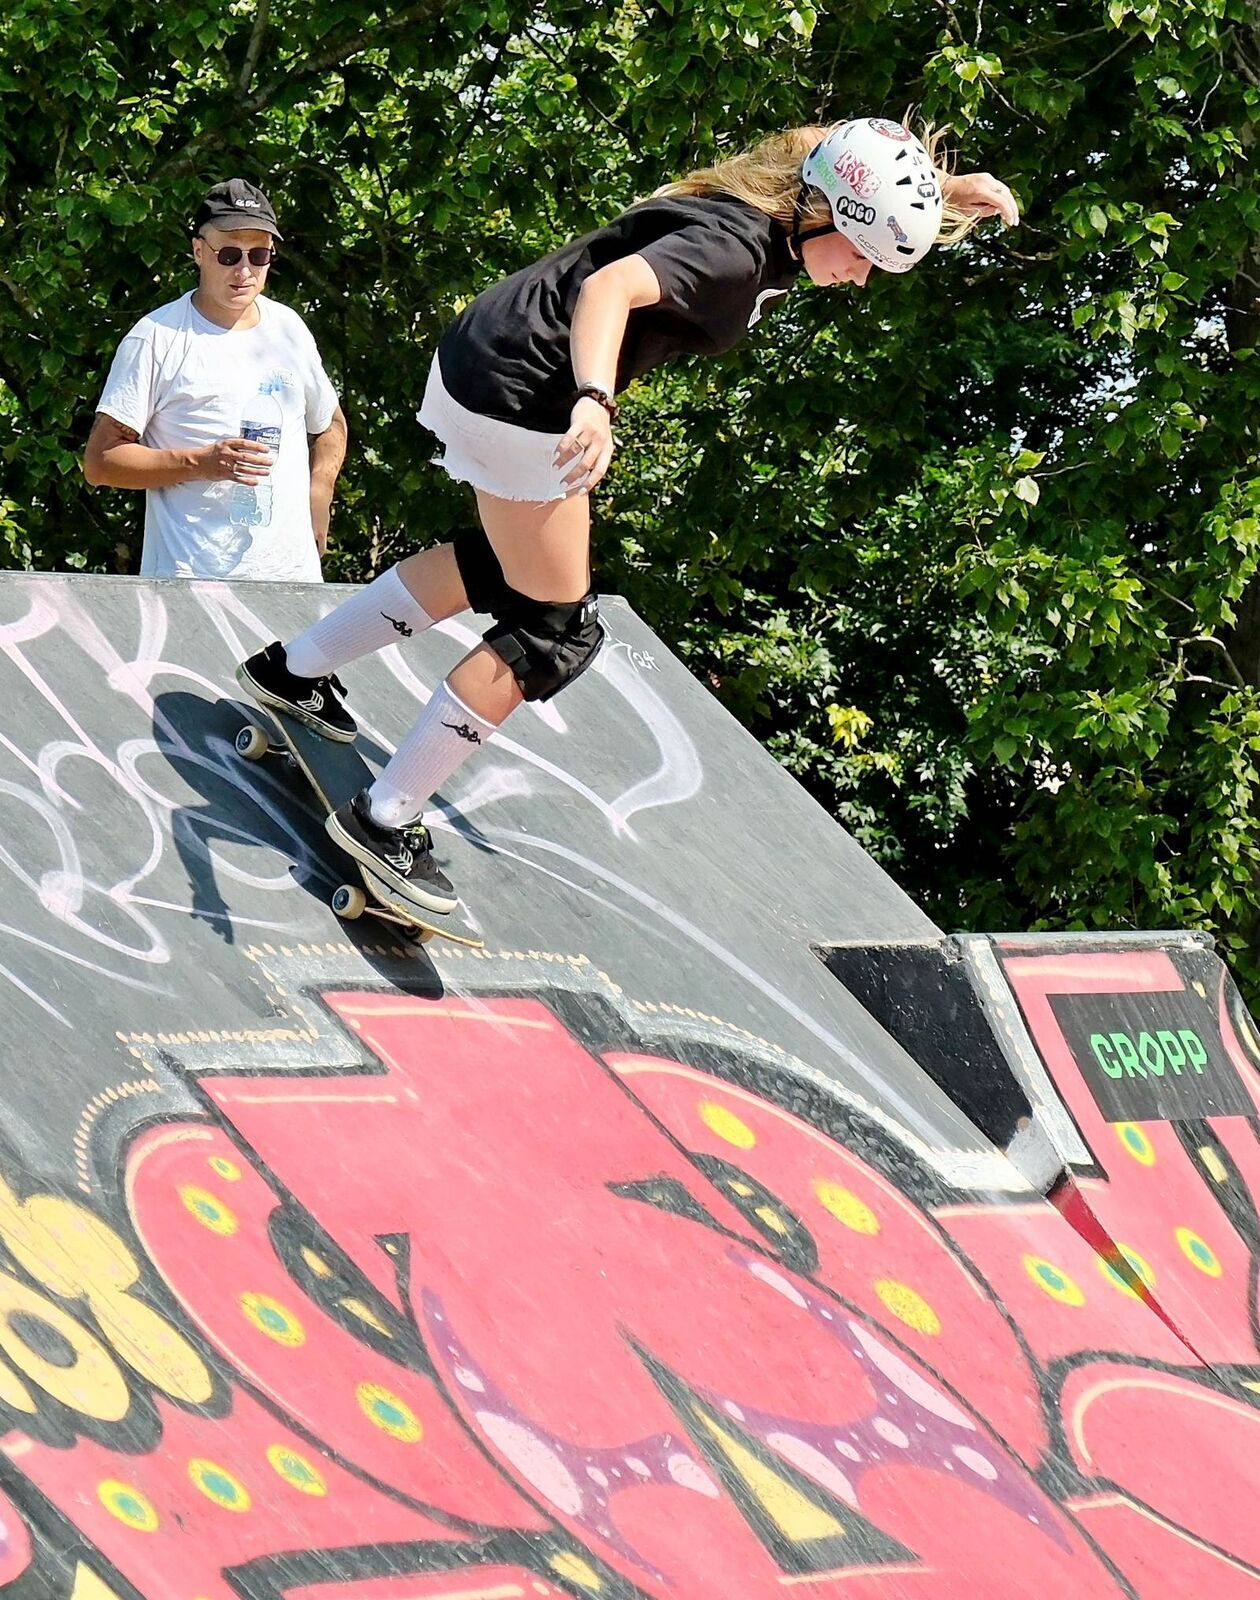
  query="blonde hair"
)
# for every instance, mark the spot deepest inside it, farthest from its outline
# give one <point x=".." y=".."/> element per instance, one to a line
<point x="768" y="176"/>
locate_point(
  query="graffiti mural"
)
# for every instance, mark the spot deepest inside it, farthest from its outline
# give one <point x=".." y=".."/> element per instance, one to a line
<point x="502" y="1314"/>
<point x="638" y="1256"/>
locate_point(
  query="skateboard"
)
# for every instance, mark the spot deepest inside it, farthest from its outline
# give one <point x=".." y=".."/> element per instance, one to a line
<point x="336" y="772"/>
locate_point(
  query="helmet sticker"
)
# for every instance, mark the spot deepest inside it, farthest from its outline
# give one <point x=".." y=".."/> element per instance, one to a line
<point x="874" y="252"/>
<point x="854" y="210"/>
<point x="823" y="174"/>
<point x="897" y="231"/>
<point x="857" y="174"/>
<point x="890" y="130"/>
<point x="927" y="190"/>
<point x="766" y="294"/>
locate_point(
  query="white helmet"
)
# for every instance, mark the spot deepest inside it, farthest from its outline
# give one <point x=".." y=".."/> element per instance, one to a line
<point x="884" y="194"/>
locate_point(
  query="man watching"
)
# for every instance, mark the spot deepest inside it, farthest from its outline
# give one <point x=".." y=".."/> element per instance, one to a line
<point x="218" y="406"/>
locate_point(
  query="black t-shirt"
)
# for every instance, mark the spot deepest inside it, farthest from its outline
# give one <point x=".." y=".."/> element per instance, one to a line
<point x="507" y="353"/>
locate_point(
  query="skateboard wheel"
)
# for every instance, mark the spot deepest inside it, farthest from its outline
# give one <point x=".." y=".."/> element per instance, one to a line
<point x="252" y="743"/>
<point x="349" y="902"/>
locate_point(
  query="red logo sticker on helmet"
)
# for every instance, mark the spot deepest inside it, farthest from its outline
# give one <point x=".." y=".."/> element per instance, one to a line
<point x="890" y="130"/>
<point x="861" y="179"/>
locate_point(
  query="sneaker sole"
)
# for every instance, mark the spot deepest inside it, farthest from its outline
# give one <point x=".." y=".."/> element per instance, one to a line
<point x="291" y="709"/>
<point x="422" y="899"/>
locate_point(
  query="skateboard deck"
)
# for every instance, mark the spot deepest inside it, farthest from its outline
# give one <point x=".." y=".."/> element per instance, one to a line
<point x="336" y="772"/>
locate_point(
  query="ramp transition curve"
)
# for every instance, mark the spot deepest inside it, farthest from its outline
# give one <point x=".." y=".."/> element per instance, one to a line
<point x="697" y="1238"/>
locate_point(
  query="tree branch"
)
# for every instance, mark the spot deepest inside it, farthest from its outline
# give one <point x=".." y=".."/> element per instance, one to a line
<point x="1241" y="62"/>
<point x="1231" y="666"/>
<point x="255" y="47"/>
<point x="1213" y="683"/>
<point x="560" y="67"/>
<point x="1053" y="44"/>
<point x="289" y="73"/>
<point x="20" y="295"/>
<point x="496" y="65"/>
<point x="353" y="311"/>
<point x="1111" y="56"/>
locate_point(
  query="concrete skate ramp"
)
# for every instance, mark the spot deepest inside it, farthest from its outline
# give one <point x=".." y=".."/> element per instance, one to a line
<point x="635" y="1256"/>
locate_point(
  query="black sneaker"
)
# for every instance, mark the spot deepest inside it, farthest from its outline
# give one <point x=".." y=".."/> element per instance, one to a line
<point x="402" y="857"/>
<point x="315" y="701"/>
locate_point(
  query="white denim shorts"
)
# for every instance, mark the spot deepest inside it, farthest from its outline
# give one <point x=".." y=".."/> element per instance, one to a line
<point x="496" y="457"/>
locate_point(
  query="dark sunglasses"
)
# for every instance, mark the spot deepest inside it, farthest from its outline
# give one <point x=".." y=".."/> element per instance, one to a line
<point x="260" y="256"/>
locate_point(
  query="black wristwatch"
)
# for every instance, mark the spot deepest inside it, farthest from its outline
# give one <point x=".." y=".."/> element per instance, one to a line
<point x="601" y="396"/>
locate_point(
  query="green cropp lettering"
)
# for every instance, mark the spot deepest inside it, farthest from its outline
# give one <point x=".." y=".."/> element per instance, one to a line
<point x="1196" y="1055"/>
<point x="1101" y="1046"/>
<point x="1124" y="1048"/>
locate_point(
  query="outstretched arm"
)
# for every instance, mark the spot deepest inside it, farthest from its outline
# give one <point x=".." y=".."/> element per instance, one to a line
<point x="980" y="194"/>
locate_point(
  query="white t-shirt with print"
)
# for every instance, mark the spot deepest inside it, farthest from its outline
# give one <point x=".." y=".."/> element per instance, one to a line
<point x="181" y="382"/>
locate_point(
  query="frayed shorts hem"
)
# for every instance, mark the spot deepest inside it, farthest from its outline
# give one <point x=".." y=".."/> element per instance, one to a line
<point x="498" y="458"/>
<point x="477" y="480"/>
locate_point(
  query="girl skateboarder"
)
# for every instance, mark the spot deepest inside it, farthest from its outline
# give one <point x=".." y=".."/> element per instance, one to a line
<point x="521" y="393"/>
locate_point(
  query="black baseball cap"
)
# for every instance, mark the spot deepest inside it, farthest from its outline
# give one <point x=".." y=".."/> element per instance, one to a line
<point x="237" y="203"/>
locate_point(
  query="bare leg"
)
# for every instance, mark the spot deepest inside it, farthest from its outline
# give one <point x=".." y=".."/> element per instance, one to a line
<point x="543" y="547"/>
<point x="432" y="577"/>
<point x="545" y="552"/>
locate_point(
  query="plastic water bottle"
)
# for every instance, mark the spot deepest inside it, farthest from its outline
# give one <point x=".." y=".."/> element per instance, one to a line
<point x="249" y="505"/>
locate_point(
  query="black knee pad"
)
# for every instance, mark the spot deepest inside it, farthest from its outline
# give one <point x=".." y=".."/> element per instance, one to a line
<point x="546" y="646"/>
<point x="484" y="583"/>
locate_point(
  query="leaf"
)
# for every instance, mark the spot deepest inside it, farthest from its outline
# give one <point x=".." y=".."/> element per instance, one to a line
<point x="1004" y="748"/>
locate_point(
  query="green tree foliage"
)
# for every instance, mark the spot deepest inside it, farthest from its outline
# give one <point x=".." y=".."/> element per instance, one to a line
<point x="972" y="550"/>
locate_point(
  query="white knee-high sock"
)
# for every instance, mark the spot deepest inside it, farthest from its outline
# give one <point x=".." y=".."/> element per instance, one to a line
<point x="445" y="734"/>
<point x="383" y="613"/>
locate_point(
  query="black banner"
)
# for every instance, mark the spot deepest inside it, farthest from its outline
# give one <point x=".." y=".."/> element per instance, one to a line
<point x="1151" y="1056"/>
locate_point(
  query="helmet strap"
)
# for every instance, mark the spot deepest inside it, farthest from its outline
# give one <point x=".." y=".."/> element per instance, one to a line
<point x="798" y="214"/>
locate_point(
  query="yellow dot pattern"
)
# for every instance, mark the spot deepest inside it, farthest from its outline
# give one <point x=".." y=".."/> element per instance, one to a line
<point x="273" y="1319"/>
<point x="1199" y="1252"/>
<point x="209" y="1210"/>
<point x="846" y="1207"/>
<point x="126" y="1503"/>
<point x="1141" y="1267"/>
<point x="908" y="1306"/>
<point x="389" y="1413"/>
<point x="726" y="1125"/>
<point x="296" y="1470"/>
<point x="218" y="1484"/>
<point x="227" y="1170"/>
<point x="1136" y="1142"/>
<point x="1054" y="1281"/>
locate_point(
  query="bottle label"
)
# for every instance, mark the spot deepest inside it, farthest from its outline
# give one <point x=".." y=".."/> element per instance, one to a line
<point x="262" y="433"/>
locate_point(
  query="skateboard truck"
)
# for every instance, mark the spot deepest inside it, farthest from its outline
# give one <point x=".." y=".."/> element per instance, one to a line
<point x="347" y="772"/>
